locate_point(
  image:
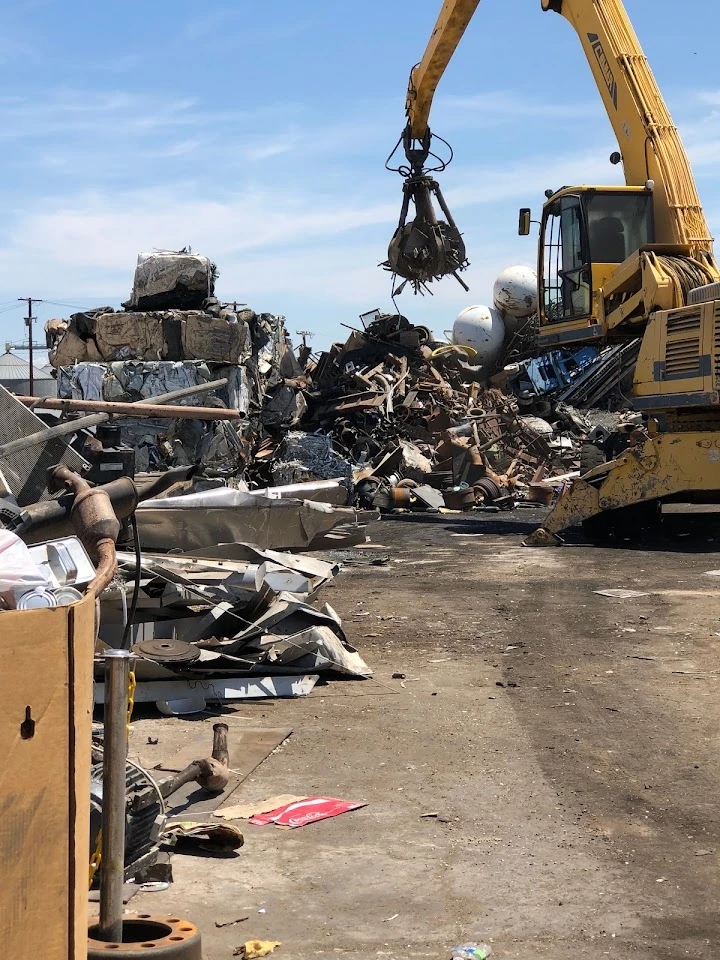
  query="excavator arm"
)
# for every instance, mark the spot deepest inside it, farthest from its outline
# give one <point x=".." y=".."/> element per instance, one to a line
<point x="649" y="142"/>
<point x="427" y="248"/>
<point x="447" y="33"/>
<point x="650" y="147"/>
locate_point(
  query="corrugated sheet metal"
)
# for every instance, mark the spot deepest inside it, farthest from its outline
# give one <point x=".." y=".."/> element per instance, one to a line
<point x="13" y="367"/>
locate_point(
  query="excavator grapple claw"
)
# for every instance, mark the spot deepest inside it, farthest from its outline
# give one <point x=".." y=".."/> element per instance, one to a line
<point x="425" y="248"/>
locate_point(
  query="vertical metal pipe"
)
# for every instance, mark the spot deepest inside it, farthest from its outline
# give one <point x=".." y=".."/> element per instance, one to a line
<point x="117" y="672"/>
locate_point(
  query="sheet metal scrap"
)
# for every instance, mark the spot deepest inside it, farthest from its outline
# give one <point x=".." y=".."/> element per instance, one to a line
<point x="244" y="612"/>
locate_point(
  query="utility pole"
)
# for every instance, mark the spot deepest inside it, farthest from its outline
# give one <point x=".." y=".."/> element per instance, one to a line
<point x="29" y="322"/>
<point x="305" y="351"/>
<point x="304" y="334"/>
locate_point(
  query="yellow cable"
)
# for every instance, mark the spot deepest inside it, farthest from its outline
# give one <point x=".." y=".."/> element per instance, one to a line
<point x="469" y="352"/>
<point x="96" y="858"/>
<point x="132" y="683"/>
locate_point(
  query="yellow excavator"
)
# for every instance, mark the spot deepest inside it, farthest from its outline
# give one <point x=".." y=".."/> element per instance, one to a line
<point x="614" y="263"/>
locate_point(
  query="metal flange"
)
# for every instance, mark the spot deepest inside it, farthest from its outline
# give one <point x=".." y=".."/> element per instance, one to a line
<point x="155" y="937"/>
<point x="167" y="651"/>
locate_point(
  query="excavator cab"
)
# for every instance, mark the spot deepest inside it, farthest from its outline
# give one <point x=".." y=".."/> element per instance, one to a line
<point x="585" y="233"/>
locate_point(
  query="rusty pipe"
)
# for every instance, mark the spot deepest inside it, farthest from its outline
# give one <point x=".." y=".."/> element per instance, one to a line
<point x="220" y="744"/>
<point x="212" y="773"/>
<point x="94" y="520"/>
<point x="93" y="419"/>
<point x="106" y="568"/>
<point x="117" y="409"/>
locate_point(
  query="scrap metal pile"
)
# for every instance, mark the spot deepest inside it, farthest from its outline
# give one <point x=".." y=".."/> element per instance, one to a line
<point x="173" y="333"/>
<point x="390" y="419"/>
<point x="236" y="622"/>
<point x="406" y="422"/>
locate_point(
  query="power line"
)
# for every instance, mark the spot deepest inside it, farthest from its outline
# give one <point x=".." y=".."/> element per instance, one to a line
<point x="71" y="306"/>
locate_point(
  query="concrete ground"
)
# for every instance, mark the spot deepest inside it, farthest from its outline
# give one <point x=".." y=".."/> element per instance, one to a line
<point x="544" y="779"/>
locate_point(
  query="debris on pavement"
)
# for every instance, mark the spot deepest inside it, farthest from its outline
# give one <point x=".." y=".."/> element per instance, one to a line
<point x="621" y="594"/>
<point x="471" y="951"/>
<point x="245" y="811"/>
<point x="254" y="949"/>
<point x="210" y="837"/>
<point x="230" y="923"/>
<point x="303" y="812"/>
<point x="248" y="746"/>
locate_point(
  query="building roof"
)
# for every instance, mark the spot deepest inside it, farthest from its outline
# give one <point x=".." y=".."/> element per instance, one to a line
<point x="13" y="367"/>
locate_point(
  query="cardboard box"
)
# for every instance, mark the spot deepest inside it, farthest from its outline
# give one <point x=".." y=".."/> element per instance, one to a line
<point x="46" y="708"/>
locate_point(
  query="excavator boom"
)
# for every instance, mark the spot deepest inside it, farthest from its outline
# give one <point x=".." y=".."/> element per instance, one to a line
<point x="649" y="142"/>
<point x="447" y="33"/>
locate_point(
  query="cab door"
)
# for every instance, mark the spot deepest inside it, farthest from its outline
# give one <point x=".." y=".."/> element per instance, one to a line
<point x="564" y="263"/>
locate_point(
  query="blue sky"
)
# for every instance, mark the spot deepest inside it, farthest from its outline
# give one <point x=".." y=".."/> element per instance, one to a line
<point x="257" y="134"/>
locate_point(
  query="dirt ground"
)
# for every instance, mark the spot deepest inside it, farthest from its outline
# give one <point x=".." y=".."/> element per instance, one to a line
<point x="544" y="779"/>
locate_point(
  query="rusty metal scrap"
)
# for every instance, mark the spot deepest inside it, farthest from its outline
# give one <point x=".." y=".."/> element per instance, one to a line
<point x="389" y="404"/>
<point x="397" y="406"/>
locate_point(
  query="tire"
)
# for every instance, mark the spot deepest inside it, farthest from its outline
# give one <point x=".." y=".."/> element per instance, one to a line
<point x="590" y="457"/>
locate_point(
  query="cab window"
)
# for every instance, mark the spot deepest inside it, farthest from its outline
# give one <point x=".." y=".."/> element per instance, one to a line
<point x="618" y="225"/>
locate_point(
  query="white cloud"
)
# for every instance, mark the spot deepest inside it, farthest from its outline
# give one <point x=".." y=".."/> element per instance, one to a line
<point x="211" y="21"/>
<point x="271" y="147"/>
<point x="65" y="112"/>
<point x="709" y="97"/>
<point x="179" y="149"/>
<point x="288" y="236"/>
<point x="315" y="252"/>
<point x="502" y="105"/>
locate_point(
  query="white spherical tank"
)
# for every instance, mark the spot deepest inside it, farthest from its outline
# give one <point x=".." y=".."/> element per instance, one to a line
<point x="515" y="292"/>
<point x="481" y="328"/>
